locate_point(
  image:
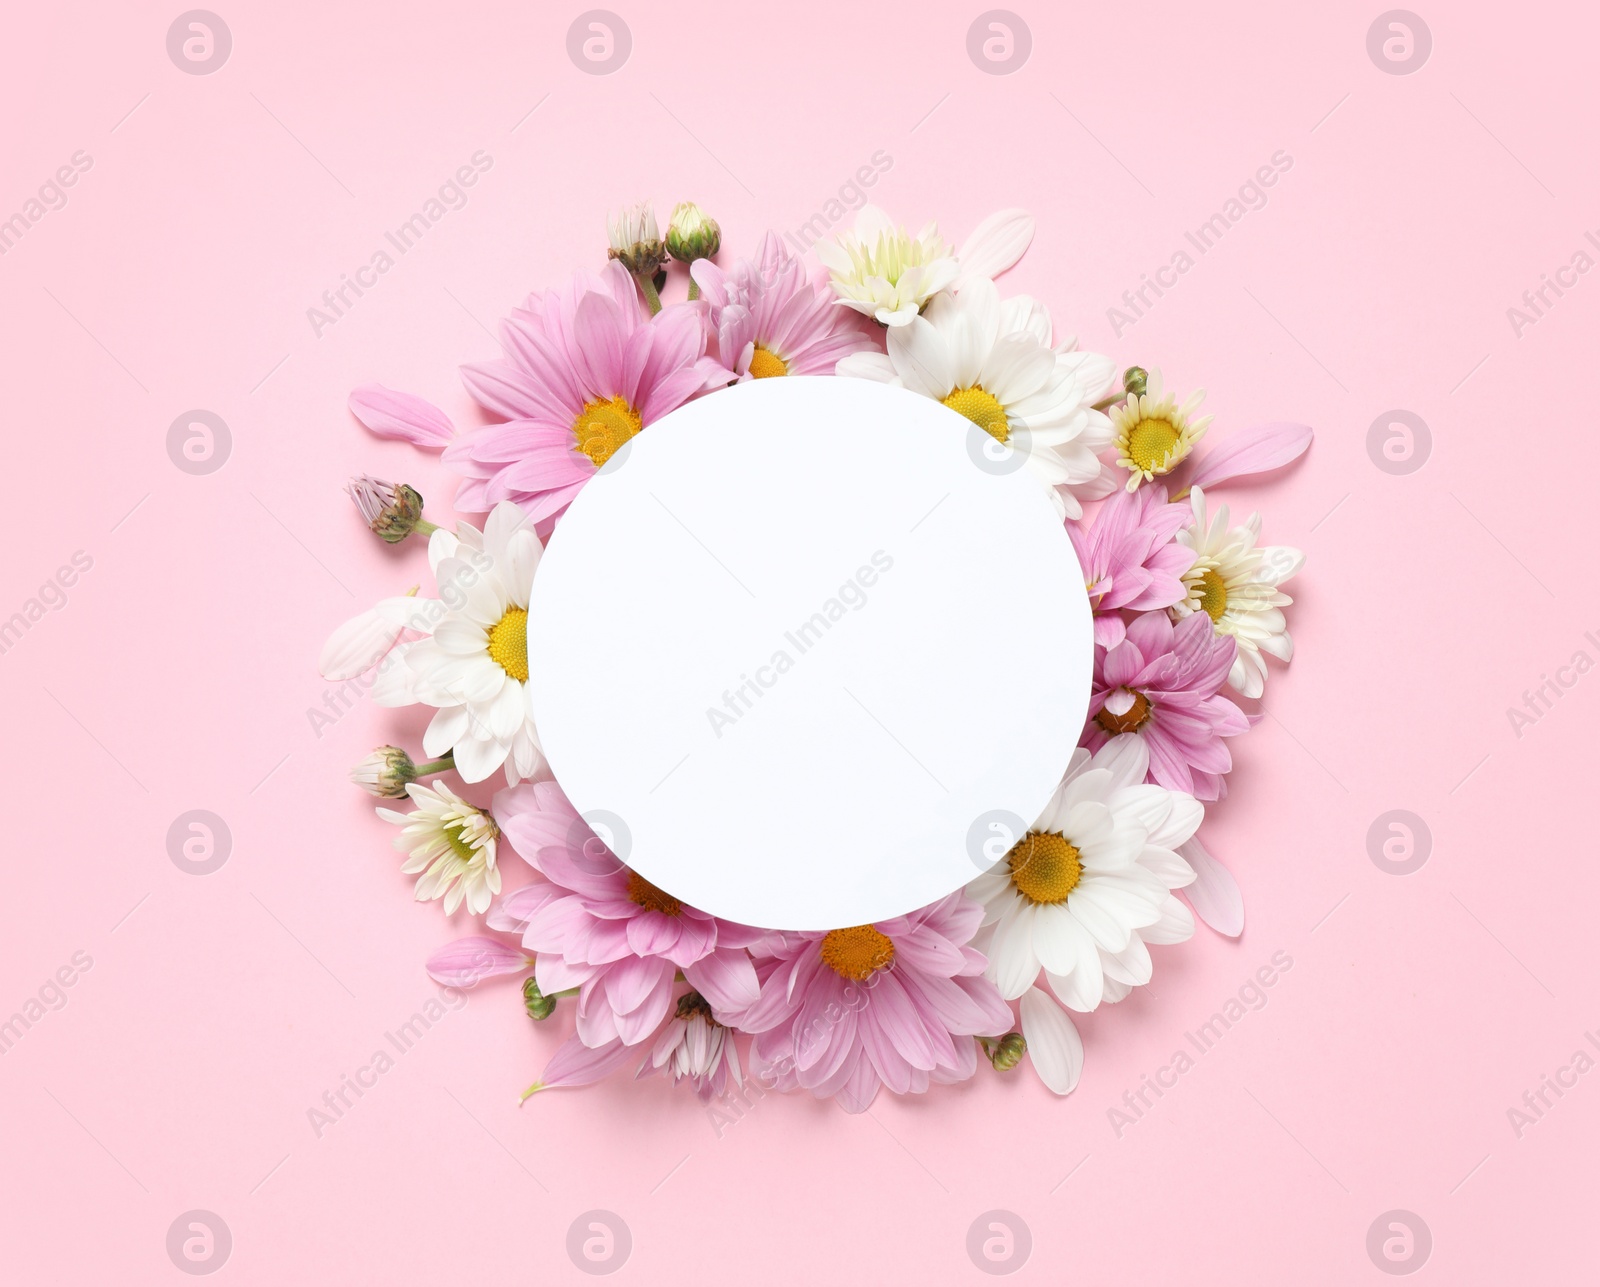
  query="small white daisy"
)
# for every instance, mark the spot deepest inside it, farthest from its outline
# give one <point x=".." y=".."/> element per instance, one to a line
<point x="472" y="663"/>
<point x="1153" y="434"/>
<point x="452" y="843"/>
<point x="992" y="362"/>
<point x="1235" y="582"/>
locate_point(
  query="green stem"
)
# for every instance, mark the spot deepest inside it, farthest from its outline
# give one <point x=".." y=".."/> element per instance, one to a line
<point x="1105" y="404"/>
<point x="651" y="297"/>
<point x="426" y="528"/>
<point x="436" y="766"/>
<point x="694" y="288"/>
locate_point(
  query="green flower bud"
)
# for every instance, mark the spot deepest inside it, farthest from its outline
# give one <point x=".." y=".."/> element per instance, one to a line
<point x="538" y="1005"/>
<point x="692" y="234"/>
<point x="1006" y="1053"/>
<point x="1134" y="381"/>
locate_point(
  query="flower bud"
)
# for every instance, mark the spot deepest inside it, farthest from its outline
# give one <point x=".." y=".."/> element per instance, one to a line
<point x="1134" y="381"/>
<point x="692" y="234"/>
<point x="1006" y="1053"/>
<point x="385" y="772"/>
<point x="392" y="510"/>
<point x="635" y="240"/>
<point x="537" y="1004"/>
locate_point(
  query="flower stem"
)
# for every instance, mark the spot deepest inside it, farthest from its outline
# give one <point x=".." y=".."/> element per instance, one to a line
<point x="651" y="297"/>
<point x="436" y="766"/>
<point x="694" y="288"/>
<point x="426" y="528"/>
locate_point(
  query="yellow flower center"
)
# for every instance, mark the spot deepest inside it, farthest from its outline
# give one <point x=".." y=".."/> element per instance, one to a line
<point x="1213" y="594"/>
<point x="508" y="643"/>
<point x="1045" y="867"/>
<point x="651" y="897"/>
<point x="983" y="409"/>
<point x="1130" y="720"/>
<point x="603" y="426"/>
<point x="765" y="363"/>
<point x="1150" y="444"/>
<point x="858" y="952"/>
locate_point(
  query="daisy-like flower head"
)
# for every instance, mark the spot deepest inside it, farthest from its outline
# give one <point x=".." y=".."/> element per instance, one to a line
<point x="1235" y="583"/>
<point x="693" y="1044"/>
<point x="771" y="319"/>
<point x="452" y="843"/>
<point x="598" y="926"/>
<point x="1088" y="887"/>
<point x="472" y="663"/>
<point x="1130" y="559"/>
<point x="894" y="1004"/>
<point x="992" y="362"/>
<point x="882" y="271"/>
<point x="586" y="368"/>
<point x="1160" y="685"/>
<point x="1153" y="434"/>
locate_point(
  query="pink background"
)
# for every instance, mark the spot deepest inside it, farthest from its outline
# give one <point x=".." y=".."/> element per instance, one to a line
<point x="179" y="672"/>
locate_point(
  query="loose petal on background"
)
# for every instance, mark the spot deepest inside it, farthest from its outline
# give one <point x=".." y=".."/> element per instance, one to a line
<point x="467" y="962"/>
<point x="401" y="415"/>
<point x="995" y="244"/>
<point x="364" y="640"/>
<point x="1215" y="894"/>
<point x="576" y="1064"/>
<point x="1255" y="451"/>
<point x="1053" y="1042"/>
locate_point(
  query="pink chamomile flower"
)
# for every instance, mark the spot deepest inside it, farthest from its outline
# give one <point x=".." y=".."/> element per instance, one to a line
<point x="894" y="1004"/>
<point x="1161" y="684"/>
<point x="586" y="367"/>
<point x="595" y="925"/>
<point x="1131" y="559"/>
<point x="769" y="317"/>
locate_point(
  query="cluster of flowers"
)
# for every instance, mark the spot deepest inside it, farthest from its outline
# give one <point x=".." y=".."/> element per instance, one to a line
<point x="1186" y="608"/>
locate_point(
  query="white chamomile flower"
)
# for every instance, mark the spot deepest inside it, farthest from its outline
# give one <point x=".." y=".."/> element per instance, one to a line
<point x="452" y="843"/>
<point x="1235" y="582"/>
<point x="1089" y="886"/>
<point x="472" y="663"/>
<point x="992" y="362"/>
<point x="881" y="270"/>
<point x="1153" y="434"/>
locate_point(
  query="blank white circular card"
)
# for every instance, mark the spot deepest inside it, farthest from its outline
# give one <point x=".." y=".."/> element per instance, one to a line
<point x="797" y="641"/>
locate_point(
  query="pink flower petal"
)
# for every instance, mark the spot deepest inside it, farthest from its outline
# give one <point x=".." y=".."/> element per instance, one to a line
<point x="1254" y="451"/>
<point x="469" y="961"/>
<point x="576" y="1064"/>
<point x="401" y="415"/>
